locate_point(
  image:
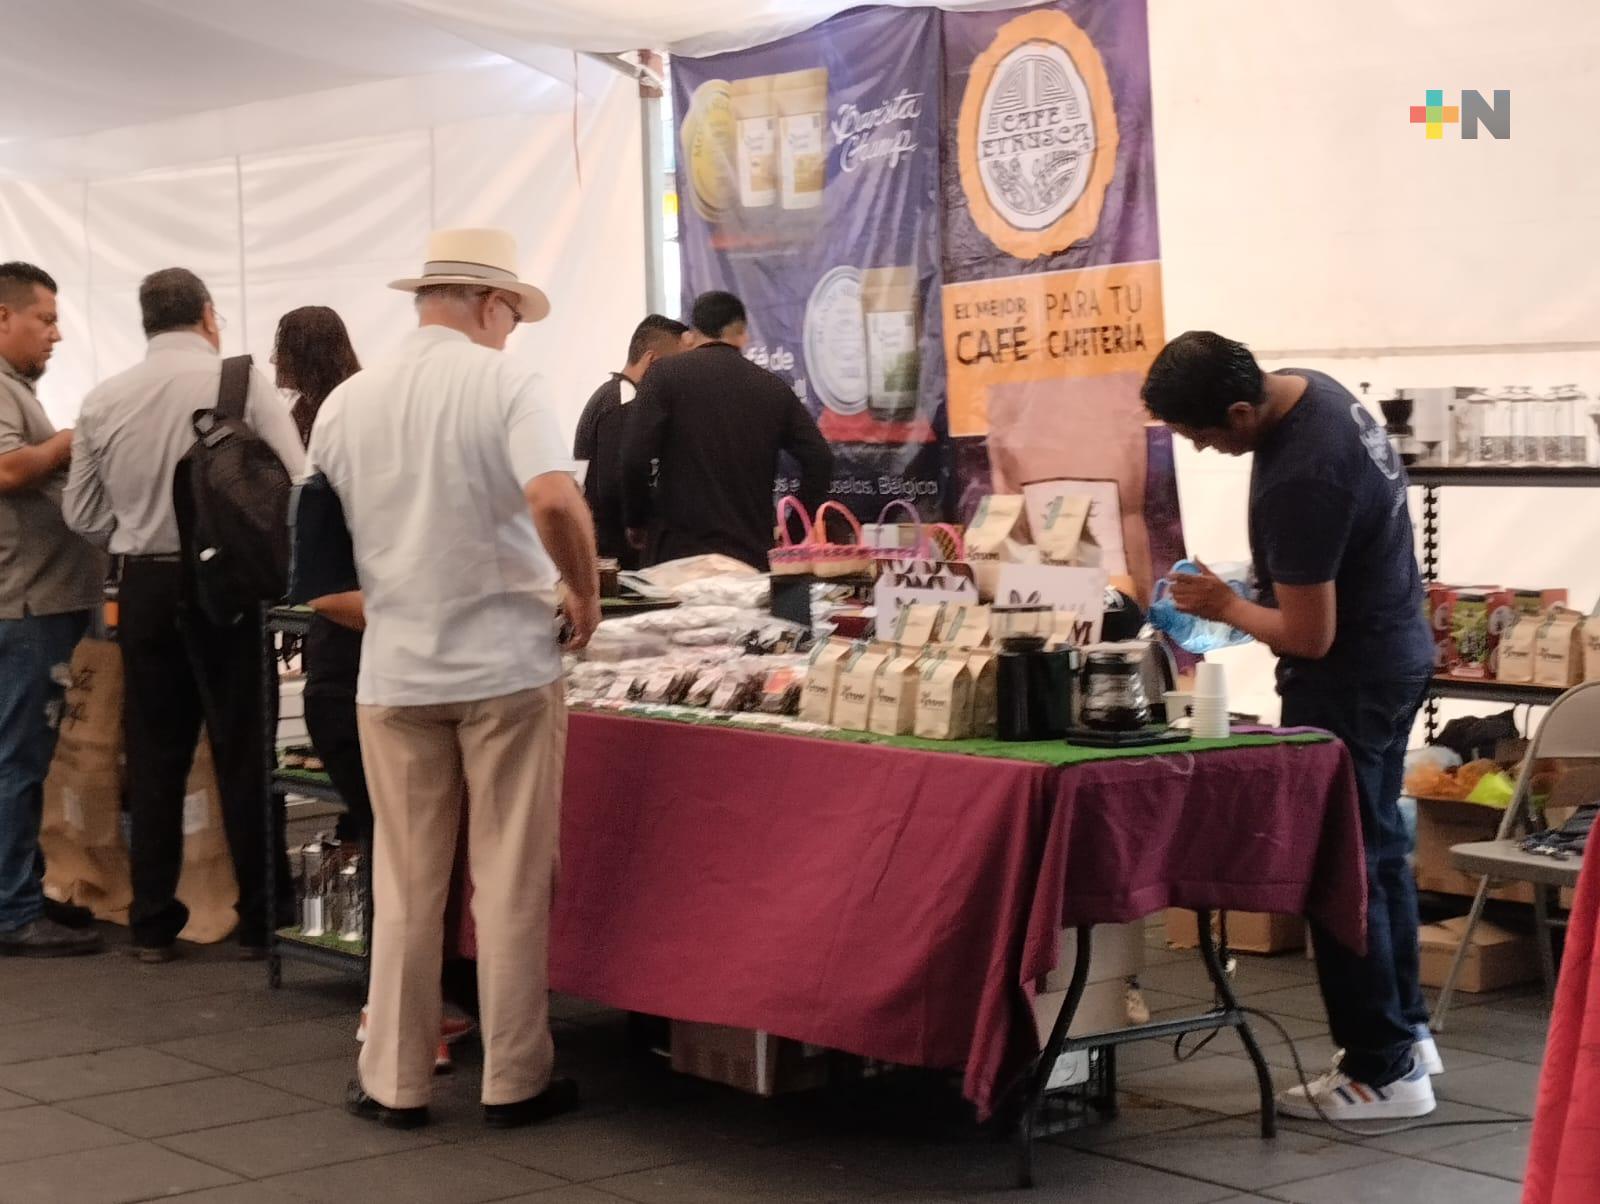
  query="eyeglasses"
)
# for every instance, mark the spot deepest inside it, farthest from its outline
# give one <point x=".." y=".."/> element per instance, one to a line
<point x="516" y="313"/>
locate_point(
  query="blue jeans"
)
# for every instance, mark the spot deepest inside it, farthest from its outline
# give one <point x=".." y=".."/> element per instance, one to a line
<point x="35" y="656"/>
<point x="1374" y="1001"/>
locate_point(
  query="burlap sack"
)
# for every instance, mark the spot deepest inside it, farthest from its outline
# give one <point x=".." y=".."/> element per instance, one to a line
<point x="86" y="861"/>
<point x="86" y="857"/>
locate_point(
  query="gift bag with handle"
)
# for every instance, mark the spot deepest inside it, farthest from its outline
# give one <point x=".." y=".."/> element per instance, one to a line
<point x="887" y="538"/>
<point x="829" y="559"/>
<point x="790" y="558"/>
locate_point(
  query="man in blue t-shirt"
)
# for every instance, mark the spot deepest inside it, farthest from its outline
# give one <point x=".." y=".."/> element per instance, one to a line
<point x="1341" y="604"/>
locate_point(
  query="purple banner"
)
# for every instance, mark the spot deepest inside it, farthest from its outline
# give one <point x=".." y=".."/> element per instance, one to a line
<point x="808" y="173"/>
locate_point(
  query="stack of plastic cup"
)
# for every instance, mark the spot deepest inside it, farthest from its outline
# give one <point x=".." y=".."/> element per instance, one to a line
<point x="1210" y="703"/>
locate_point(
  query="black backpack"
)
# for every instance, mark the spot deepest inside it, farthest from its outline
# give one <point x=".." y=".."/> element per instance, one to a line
<point x="231" y="493"/>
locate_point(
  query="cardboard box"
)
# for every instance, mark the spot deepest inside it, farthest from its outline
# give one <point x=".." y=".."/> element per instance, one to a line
<point x="757" y="1062"/>
<point x="1496" y="959"/>
<point x="1444" y="823"/>
<point x="1248" y="931"/>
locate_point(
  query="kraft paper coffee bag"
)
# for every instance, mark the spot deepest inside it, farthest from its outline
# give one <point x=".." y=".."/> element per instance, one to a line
<point x="995" y="536"/>
<point x="965" y="626"/>
<point x="917" y="624"/>
<point x="858" y="672"/>
<point x="1591" y="648"/>
<point x="1558" y="656"/>
<point x="1066" y="538"/>
<point x="1517" y="650"/>
<point x="822" y="681"/>
<point x="985" y="671"/>
<point x="894" y="697"/>
<point x="944" y="697"/>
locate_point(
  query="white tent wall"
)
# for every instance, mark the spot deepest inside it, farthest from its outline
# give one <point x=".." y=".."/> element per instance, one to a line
<point x="294" y="219"/>
<point x="1302" y="213"/>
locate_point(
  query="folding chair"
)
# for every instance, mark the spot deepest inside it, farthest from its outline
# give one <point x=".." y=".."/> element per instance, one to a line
<point x="1571" y="729"/>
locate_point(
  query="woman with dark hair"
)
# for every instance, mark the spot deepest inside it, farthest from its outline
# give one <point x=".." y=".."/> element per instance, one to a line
<point x="313" y="356"/>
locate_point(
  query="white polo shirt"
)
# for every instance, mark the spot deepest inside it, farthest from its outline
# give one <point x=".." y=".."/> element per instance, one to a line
<point x="429" y="452"/>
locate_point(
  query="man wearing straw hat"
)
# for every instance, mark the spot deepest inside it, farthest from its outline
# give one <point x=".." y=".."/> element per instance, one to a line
<point x="462" y="511"/>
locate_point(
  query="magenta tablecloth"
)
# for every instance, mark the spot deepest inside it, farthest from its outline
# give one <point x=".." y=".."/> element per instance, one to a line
<point x="899" y="904"/>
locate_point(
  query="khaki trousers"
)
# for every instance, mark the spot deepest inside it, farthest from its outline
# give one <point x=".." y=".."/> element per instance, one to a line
<point x="503" y="758"/>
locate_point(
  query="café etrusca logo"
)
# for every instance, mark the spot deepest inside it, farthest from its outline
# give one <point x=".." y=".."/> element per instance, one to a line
<point x="1037" y="136"/>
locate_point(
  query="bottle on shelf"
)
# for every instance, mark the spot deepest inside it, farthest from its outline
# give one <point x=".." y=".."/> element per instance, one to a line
<point x="1568" y="444"/>
<point x="1472" y="434"/>
<point x="319" y="858"/>
<point x="352" y="902"/>
<point x="1523" y="420"/>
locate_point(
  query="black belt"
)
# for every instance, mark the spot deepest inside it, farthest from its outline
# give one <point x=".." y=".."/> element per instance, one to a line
<point x="160" y="558"/>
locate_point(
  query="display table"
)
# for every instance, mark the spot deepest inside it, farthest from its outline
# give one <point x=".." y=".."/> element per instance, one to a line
<point x="901" y="903"/>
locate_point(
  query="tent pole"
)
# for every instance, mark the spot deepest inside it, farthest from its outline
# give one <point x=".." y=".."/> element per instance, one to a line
<point x="654" y="171"/>
<point x="649" y="71"/>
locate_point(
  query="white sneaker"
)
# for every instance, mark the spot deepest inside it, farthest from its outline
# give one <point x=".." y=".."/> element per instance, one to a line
<point x="1426" y="1051"/>
<point x="1343" y="1099"/>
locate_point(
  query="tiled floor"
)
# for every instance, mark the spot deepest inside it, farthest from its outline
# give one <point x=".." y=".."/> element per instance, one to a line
<point x="121" y="1082"/>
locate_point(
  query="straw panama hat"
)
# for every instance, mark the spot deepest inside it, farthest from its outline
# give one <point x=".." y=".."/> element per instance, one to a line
<point x="486" y="257"/>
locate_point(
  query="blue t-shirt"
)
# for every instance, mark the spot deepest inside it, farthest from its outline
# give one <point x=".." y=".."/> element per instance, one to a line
<point x="1328" y="503"/>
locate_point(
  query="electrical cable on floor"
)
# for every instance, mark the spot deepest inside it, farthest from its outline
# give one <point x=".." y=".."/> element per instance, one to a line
<point x="1396" y="1130"/>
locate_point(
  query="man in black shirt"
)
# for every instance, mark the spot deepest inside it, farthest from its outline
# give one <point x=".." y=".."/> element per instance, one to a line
<point x="715" y="424"/>
<point x="1341" y="605"/>
<point x="601" y="431"/>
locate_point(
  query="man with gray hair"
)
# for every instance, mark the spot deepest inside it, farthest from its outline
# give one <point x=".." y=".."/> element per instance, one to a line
<point x="179" y="667"/>
<point x="462" y="509"/>
<point x="50" y="581"/>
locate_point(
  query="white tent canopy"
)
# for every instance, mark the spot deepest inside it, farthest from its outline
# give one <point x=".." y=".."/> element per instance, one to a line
<point x="296" y="152"/>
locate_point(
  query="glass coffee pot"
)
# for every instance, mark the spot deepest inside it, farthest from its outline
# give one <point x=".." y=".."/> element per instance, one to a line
<point x="1113" y="693"/>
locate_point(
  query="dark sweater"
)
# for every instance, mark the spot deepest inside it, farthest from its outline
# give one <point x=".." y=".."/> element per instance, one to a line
<point x="599" y="441"/>
<point x="715" y="424"/>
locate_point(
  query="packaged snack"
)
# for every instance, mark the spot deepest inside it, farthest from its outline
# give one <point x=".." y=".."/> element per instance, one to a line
<point x="1469" y="631"/>
<point x="780" y="691"/>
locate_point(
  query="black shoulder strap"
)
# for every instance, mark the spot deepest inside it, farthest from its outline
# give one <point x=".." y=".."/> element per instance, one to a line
<point x="235" y="388"/>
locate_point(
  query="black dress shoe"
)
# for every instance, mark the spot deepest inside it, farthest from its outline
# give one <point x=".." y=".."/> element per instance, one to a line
<point x="559" y="1098"/>
<point x="45" y="938"/>
<point x="68" y="915"/>
<point x="358" y="1103"/>
<point x="154" y="955"/>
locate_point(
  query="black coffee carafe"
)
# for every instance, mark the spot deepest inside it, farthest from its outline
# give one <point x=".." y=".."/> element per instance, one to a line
<point x="1034" y="689"/>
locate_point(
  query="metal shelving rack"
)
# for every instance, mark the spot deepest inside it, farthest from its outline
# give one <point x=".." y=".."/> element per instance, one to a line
<point x="284" y="943"/>
<point x="1430" y="481"/>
